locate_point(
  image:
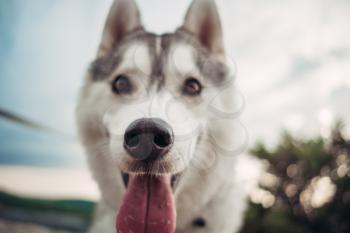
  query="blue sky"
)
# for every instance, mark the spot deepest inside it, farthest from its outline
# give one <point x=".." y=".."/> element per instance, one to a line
<point x="292" y="56"/>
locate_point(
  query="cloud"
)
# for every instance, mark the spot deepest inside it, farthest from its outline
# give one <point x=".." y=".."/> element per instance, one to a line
<point x="292" y="57"/>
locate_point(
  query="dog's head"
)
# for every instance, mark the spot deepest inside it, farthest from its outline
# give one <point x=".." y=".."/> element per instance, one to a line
<point x="144" y="107"/>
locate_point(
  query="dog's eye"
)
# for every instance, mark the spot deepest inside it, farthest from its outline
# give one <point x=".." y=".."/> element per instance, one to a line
<point x="121" y="85"/>
<point x="192" y="87"/>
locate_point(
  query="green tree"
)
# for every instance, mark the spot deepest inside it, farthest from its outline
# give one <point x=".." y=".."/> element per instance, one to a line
<point x="312" y="194"/>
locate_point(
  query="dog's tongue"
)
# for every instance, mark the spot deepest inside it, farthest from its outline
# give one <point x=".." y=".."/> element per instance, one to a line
<point x="148" y="206"/>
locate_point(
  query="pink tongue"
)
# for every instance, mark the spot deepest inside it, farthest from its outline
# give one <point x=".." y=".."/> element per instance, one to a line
<point x="148" y="206"/>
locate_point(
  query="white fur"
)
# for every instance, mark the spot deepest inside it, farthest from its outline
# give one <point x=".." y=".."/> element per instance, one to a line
<point x="136" y="58"/>
<point x="161" y="105"/>
<point x="182" y="61"/>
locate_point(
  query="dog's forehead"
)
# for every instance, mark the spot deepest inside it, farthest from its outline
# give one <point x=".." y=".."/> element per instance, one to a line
<point x="134" y="52"/>
<point x="145" y="52"/>
<point x="137" y="57"/>
<point x="159" y="57"/>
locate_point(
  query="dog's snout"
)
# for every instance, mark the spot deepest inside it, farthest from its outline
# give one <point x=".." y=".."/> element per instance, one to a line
<point x="148" y="139"/>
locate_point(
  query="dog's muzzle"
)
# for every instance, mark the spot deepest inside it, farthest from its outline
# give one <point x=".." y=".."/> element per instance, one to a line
<point x="148" y="202"/>
<point x="148" y="139"/>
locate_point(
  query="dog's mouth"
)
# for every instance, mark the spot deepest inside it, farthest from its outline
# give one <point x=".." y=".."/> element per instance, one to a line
<point x="148" y="204"/>
<point x="174" y="180"/>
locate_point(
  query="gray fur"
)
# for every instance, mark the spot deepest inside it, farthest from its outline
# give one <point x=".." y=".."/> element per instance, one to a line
<point x="211" y="68"/>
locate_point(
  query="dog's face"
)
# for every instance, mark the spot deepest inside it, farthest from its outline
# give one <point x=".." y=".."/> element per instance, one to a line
<point x="144" y="83"/>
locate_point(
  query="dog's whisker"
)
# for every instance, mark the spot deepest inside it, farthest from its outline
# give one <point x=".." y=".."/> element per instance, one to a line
<point x="158" y="168"/>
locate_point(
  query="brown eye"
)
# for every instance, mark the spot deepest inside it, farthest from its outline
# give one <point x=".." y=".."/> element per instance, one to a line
<point x="192" y="87"/>
<point x="121" y="85"/>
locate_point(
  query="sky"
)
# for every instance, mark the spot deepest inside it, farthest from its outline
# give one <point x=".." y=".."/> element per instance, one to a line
<point x="292" y="58"/>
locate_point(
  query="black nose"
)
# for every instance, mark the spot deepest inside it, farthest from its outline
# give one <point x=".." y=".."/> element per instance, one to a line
<point x="148" y="139"/>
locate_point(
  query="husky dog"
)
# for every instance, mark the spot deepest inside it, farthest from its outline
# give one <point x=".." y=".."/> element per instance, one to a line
<point x="148" y="117"/>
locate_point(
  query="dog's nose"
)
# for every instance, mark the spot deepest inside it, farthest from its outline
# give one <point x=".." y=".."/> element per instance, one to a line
<point x="148" y="139"/>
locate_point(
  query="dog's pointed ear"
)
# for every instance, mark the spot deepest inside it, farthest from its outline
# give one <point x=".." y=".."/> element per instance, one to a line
<point x="123" y="18"/>
<point x="203" y="21"/>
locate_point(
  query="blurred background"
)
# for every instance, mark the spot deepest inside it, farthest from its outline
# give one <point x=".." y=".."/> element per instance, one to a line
<point x="293" y="61"/>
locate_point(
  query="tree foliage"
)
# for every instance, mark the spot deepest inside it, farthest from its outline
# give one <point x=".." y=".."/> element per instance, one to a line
<point x="311" y="192"/>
